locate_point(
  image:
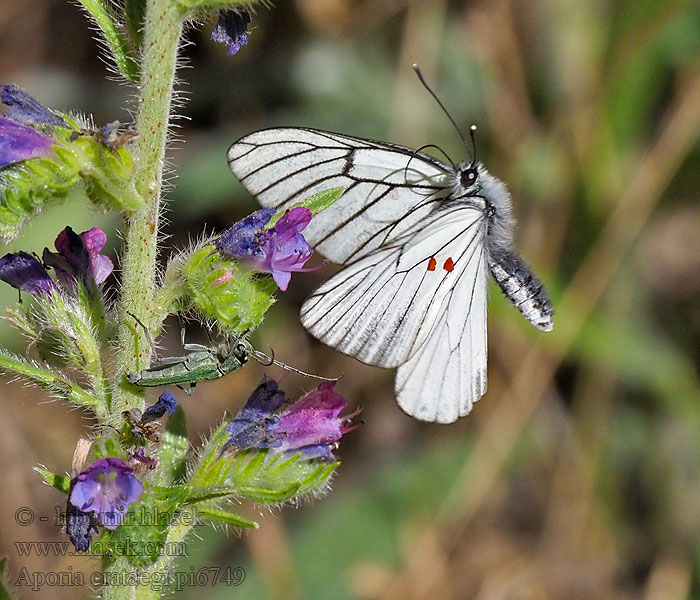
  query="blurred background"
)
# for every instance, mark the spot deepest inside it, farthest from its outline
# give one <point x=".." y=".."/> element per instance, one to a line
<point x="577" y="475"/>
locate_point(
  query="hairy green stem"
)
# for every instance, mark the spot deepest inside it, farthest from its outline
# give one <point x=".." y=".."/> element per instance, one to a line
<point x="113" y="37"/>
<point x="162" y="30"/>
<point x="161" y="38"/>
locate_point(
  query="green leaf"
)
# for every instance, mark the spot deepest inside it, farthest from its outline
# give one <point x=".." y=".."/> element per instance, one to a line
<point x="54" y="383"/>
<point x="115" y="41"/>
<point x="270" y="496"/>
<point x="174" y="495"/>
<point x="27" y="187"/>
<point x="271" y="479"/>
<point x="206" y="472"/>
<point x="227" y="517"/>
<point x="206" y="495"/>
<point x="60" y="482"/>
<point x="315" y="203"/>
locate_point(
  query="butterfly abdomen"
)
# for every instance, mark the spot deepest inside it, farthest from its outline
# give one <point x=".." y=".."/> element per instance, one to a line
<point x="521" y="286"/>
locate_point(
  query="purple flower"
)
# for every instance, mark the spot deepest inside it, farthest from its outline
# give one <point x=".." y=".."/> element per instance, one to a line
<point x="27" y="110"/>
<point x="19" y="142"/>
<point x="24" y="272"/>
<point x="244" y="238"/>
<point x="280" y="250"/>
<point x="232" y="29"/>
<point x="311" y="426"/>
<point x="166" y="403"/>
<point x="79" y="257"/>
<point x="106" y="488"/>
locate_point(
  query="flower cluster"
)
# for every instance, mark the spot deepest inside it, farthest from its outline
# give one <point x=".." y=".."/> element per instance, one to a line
<point x="311" y="426"/>
<point x="131" y="468"/>
<point x="280" y="250"/>
<point x="77" y="258"/>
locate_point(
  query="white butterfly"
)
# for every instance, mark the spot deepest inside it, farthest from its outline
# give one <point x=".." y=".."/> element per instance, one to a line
<point x="417" y="237"/>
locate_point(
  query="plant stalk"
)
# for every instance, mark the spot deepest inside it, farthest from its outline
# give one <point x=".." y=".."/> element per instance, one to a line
<point x="162" y="31"/>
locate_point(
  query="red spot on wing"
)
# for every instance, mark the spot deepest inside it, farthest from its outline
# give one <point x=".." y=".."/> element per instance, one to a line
<point x="449" y="265"/>
<point x="432" y="264"/>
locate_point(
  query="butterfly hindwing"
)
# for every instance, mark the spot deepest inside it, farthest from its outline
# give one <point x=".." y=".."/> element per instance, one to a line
<point x="443" y="381"/>
<point x="420" y="304"/>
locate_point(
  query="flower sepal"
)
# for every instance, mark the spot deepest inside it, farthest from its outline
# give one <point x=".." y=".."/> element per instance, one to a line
<point x="59" y="482"/>
<point x="218" y="288"/>
<point x="257" y="475"/>
<point x="316" y="203"/>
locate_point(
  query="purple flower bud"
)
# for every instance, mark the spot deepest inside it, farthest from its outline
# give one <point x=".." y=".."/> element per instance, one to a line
<point x="106" y="488"/>
<point x="243" y="239"/>
<point x="79" y="257"/>
<point x="280" y="250"/>
<point x="19" y="142"/>
<point x="24" y="272"/>
<point x="80" y="528"/>
<point x="27" y="110"/>
<point x="312" y="425"/>
<point x="232" y="29"/>
<point x="166" y="403"/>
<point x="249" y="428"/>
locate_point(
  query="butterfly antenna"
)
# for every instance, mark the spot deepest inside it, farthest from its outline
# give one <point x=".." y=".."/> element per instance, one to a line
<point x="472" y="132"/>
<point x="425" y="147"/>
<point x="264" y="359"/>
<point x="416" y="68"/>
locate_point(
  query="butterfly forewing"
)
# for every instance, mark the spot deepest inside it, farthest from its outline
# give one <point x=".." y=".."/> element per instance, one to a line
<point x="388" y="188"/>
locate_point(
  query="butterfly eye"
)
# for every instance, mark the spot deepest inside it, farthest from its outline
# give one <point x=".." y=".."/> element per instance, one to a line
<point x="469" y="177"/>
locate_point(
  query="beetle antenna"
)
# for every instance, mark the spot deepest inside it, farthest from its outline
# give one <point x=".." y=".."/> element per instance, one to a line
<point x="266" y="360"/>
